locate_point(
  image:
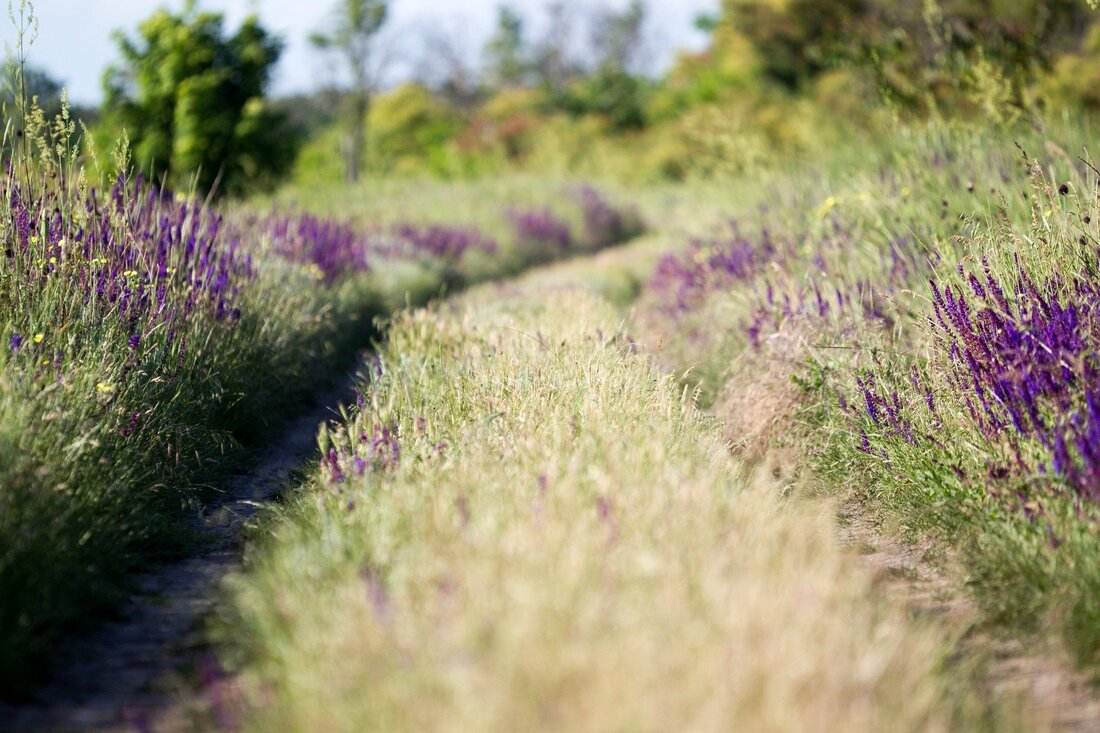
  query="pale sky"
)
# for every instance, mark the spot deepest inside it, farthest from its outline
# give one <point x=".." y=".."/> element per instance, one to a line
<point x="74" y="43"/>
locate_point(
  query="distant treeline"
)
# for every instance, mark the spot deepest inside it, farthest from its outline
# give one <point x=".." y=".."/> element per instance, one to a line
<point x="778" y="78"/>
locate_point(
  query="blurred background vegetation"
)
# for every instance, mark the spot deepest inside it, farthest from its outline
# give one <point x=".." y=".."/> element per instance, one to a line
<point x="571" y="90"/>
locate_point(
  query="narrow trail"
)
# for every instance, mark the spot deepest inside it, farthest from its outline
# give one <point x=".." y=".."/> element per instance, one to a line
<point x="1041" y="683"/>
<point x="128" y="675"/>
<point x="142" y="672"/>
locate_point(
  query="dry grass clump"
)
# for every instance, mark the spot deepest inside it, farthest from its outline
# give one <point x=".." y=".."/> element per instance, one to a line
<point x="760" y="400"/>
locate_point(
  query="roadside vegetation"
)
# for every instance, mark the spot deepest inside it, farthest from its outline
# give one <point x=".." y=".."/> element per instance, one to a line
<point x="921" y="336"/>
<point x="583" y="486"/>
<point x="524" y="522"/>
<point x="150" y="337"/>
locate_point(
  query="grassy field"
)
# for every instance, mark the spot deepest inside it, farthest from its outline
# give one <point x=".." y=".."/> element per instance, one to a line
<point x="590" y="487"/>
<point x="526" y="525"/>
<point x="150" y="340"/>
<point x="757" y="391"/>
<point x="922" y="334"/>
<point x="617" y="479"/>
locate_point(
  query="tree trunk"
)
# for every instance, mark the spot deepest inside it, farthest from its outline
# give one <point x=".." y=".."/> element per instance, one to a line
<point x="356" y="144"/>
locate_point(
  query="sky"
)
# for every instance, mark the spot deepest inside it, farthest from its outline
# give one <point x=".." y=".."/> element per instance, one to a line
<point x="74" y="43"/>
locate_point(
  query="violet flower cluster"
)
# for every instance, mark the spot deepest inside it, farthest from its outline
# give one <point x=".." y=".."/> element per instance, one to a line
<point x="604" y="224"/>
<point x="1022" y="361"/>
<point x="682" y="281"/>
<point x="376" y="451"/>
<point x="333" y="247"/>
<point x="338" y="248"/>
<point x="1026" y="365"/>
<point x="141" y="256"/>
<point x="540" y="230"/>
<point x="437" y="241"/>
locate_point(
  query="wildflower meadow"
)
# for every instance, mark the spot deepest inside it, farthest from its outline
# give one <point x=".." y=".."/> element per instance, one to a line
<point x="703" y="366"/>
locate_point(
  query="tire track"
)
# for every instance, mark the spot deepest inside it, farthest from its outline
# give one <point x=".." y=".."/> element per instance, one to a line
<point x="129" y="674"/>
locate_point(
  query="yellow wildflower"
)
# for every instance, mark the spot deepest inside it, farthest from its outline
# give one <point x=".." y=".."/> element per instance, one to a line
<point x="827" y="206"/>
<point x="38" y="337"/>
<point x="104" y="388"/>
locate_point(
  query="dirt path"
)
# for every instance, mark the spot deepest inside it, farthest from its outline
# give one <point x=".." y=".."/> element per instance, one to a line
<point x="128" y="675"/>
<point x="1035" y="678"/>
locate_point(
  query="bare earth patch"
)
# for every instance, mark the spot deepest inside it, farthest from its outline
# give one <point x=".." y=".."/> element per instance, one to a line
<point x="1036" y="678"/>
<point x="135" y="673"/>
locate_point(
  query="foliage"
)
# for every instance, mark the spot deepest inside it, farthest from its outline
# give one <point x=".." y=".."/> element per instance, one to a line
<point x="191" y="100"/>
<point x="38" y="84"/>
<point x="410" y="124"/>
<point x="354" y="27"/>
<point x="911" y="47"/>
<point x="796" y="39"/>
<point x="748" y="99"/>
<point x="504" y="52"/>
<point x="611" y="93"/>
<point x="1074" y="80"/>
<point x="618" y="38"/>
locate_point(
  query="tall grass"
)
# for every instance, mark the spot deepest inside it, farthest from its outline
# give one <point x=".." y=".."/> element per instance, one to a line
<point x="149" y="338"/>
<point x="523" y="525"/>
<point x="935" y="319"/>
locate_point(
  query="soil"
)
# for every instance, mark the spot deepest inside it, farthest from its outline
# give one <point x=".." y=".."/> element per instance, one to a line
<point x="140" y="672"/>
<point x="1034" y="678"/>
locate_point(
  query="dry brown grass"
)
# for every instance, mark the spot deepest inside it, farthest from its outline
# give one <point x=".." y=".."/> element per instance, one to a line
<point x="760" y="401"/>
<point x="646" y="587"/>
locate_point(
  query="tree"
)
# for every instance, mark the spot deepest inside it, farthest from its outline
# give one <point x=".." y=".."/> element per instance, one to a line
<point x="37" y="83"/>
<point x="618" y="41"/>
<point x="444" y="65"/>
<point x="796" y="38"/>
<point x="506" y="53"/>
<point x="191" y="101"/>
<point x="352" y="35"/>
<point x="554" y="62"/>
<point x="914" y="42"/>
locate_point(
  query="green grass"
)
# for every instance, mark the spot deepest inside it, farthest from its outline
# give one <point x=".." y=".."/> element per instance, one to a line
<point x="565" y="543"/>
<point x="957" y="195"/>
<point x="106" y="447"/>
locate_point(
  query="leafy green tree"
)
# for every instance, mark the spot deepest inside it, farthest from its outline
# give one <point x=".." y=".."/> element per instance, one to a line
<point x="506" y="52"/>
<point x="191" y="101"/>
<point x="618" y="37"/>
<point x="919" y="44"/>
<point x="609" y="86"/>
<point x="554" y="61"/>
<point x="410" y="130"/>
<point x="795" y="38"/>
<point x="611" y="93"/>
<point x="352" y="35"/>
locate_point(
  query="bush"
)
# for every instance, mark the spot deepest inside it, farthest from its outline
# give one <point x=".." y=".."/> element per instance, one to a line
<point x="410" y="132"/>
<point x="192" y="102"/>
